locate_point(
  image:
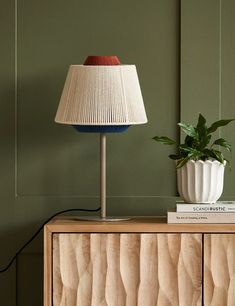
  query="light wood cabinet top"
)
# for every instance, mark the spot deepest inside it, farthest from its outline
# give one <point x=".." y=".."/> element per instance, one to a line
<point x="135" y="225"/>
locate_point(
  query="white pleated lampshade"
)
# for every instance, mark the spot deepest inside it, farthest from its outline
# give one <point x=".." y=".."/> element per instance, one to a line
<point x="101" y="95"/>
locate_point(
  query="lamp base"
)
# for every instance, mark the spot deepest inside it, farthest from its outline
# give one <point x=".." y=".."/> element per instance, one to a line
<point x="99" y="219"/>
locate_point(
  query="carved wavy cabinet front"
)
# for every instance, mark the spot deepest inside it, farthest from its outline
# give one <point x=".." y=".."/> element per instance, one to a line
<point x="127" y="269"/>
<point x="219" y="269"/>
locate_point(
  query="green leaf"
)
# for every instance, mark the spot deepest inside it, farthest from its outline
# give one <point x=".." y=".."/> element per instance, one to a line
<point x="201" y="126"/>
<point x="218" y="155"/>
<point x="186" y="148"/>
<point x="189" y="141"/>
<point x="229" y="164"/>
<point x="203" y="137"/>
<point x="218" y="124"/>
<point x="203" y="142"/>
<point x="188" y="129"/>
<point x="164" y="140"/>
<point x="223" y="143"/>
<point x="190" y="150"/>
<point x="208" y="153"/>
<point x="183" y="161"/>
<point x="175" y="156"/>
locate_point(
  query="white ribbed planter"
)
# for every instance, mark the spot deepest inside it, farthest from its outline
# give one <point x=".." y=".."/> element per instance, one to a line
<point x="201" y="181"/>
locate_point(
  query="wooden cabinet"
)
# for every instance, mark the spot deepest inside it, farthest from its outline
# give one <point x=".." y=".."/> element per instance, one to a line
<point x="142" y="262"/>
<point x="126" y="269"/>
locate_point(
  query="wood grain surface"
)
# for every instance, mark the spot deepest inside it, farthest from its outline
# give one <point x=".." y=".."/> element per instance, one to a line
<point x="127" y="269"/>
<point x="154" y="224"/>
<point x="219" y="270"/>
<point x="47" y="284"/>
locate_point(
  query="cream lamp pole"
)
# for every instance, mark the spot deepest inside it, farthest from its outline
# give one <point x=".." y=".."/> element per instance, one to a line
<point x="101" y="96"/>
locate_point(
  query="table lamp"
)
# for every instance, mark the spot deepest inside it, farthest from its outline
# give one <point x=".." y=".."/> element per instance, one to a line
<point x="101" y="96"/>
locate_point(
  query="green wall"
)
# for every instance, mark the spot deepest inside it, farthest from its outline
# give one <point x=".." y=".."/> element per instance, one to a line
<point x="184" y="53"/>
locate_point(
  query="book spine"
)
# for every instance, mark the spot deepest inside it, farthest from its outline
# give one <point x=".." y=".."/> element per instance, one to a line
<point x="207" y="208"/>
<point x="180" y="217"/>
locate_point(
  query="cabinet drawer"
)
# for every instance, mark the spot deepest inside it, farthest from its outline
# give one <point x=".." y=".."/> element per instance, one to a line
<point x="219" y="270"/>
<point x="127" y="269"/>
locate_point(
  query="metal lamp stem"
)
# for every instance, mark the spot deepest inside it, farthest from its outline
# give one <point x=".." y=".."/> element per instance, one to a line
<point x="103" y="216"/>
<point x="103" y="175"/>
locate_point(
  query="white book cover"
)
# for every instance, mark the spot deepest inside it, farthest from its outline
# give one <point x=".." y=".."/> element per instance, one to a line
<point x="218" y="207"/>
<point x="186" y="217"/>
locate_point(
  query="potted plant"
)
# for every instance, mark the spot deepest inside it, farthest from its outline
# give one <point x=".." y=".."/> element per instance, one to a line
<point x="200" y="163"/>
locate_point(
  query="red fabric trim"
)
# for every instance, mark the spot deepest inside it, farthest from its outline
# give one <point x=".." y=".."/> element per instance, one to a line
<point x="102" y="61"/>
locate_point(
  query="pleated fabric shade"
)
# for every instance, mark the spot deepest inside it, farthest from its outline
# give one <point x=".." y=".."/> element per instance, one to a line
<point x="101" y="95"/>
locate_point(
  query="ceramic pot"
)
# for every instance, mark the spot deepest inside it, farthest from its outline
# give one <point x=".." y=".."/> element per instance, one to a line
<point x="201" y="181"/>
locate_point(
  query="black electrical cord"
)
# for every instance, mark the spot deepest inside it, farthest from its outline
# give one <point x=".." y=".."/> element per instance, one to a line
<point x="39" y="230"/>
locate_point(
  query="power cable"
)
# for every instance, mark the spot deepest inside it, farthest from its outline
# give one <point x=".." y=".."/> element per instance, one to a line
<point x="39" y="230"/>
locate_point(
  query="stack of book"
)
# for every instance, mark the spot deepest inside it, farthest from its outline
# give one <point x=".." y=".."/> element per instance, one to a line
<point x="220" y="212"/>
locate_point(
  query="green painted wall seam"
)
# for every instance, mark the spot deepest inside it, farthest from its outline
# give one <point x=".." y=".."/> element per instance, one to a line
<point x="16" y="94"/>
<point x="220" y="64"/>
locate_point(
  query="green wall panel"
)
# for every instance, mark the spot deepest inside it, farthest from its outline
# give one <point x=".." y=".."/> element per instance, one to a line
<point x="200" y="59"/>
<point x="29" y="289"/>
<point x="54" y="159"/>
<point x="7" y="85"/>
<point x="207" y="68"/>
<point x="227" y="85"/>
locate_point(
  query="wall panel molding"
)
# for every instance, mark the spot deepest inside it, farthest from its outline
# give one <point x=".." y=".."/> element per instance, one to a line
<point x="207" y="68"/>
<point x="200" y="59"/>
<point x="50" y="158"/>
